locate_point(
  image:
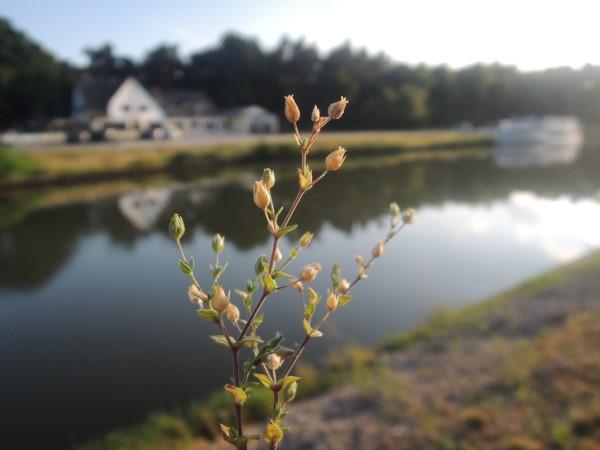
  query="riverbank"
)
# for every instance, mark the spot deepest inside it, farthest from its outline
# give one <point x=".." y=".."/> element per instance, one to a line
<point x="517" y="371"/>
<point x="92" y="162"/>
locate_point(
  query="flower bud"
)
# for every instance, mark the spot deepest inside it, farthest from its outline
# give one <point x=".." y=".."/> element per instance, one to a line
<point x="310" y="272"/>
<point x="378" y="249"/>
<point x="176" y="227"/>
<point x="220" y="300"/>
<point x="273" y="434"/>
<point x="344" y="286"/>
<point x="306" y="239"/>
<point x="316" y="114"/>
<point x="299" y="287"/>
<point x="332" y="302"/>
<point x="262" y="196"/>
<point x="359" y="260"/>
<point x="218" y="243"/>
<point x="336" y="110"/>
<point x="232" y="313"/>
<point x="273" y="361"/>
<point x="268" y="178"/>
<point x="237" y="394"/>
<point x="335" y="159"/>
<point x="278" y="256"/>
<point x="196" y="296"/>
<point x="291" y="110"/>
<point x="394" y="209"/>
<point x="305" y="178"/>
<point x="409" y="216"/>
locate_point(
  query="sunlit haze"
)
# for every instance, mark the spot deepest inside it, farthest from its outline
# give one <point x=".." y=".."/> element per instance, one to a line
<point x="529" y="34"/>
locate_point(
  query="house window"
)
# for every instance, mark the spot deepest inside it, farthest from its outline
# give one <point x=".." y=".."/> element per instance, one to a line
<point x="143" y="108"/>
<point x="126" y="108"/>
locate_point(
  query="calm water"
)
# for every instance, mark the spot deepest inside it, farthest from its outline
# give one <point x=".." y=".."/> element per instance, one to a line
<point x="95" y="327"/>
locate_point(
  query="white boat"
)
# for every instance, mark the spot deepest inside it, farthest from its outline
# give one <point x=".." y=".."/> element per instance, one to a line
<point x="538" y="141"/>
<point x="546" y="130"/>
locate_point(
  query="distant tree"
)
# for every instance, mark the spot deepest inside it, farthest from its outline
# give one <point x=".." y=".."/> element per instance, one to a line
<point x="103" y="63"/>
<point x="34" y="87"/>
<point x="162" y="67"/>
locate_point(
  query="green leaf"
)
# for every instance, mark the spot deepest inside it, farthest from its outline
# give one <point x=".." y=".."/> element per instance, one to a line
<point x="210" y="315"/>
<point x="307" y="328"/>
<point x="309" y="310"/>
<point x="317" y="334"/>
<point x="264" y="380"/>
<point x="251" y="341"/>
<point x="284" y="382"/>
<point x="313" y="296"/>
<point x="335" y="275"/>
<point x="257" y="322"/>
<point x="269" y="283"/>
<point x="344" y="299"/>
<point x="280" y="274"/>
<point x="294" y="252"/>
<point x="221" y="340"/>
<point x="185" y="268"/>
<point x="217" y="270"/>
<point x="286" y="230"/>
<point x="249" y="385"/>
<point x="261" y="265"/>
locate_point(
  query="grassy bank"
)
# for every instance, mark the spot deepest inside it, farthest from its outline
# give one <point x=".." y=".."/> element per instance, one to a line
<point x="91" y="162"/>
<point x="476" y="346"/>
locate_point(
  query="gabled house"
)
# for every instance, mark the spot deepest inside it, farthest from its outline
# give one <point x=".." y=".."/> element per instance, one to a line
<point x="103" y="103"/>
<point x="133" y="106"/>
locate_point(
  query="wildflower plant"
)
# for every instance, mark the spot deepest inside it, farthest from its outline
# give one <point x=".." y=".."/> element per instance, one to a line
<point x="268" y="362"/>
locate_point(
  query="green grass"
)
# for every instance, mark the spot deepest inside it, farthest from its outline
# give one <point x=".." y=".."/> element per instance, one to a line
<point x="13" y="164"/>
<point x="81" y="162"/>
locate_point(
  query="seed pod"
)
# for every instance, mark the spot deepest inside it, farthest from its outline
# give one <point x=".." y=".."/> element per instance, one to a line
<point x="262" y="196"/>
<point x="409" y="216"/>
<point x="273" y="361"/>
<point x="316" y="114"/>
<point x="291" y="110"/>
<point x="336" y="110"/>
<point x="378" y="249"/>
<point x="220" y="300"/>
<point x="335" y="159"/>
<point x="332" y="302"/>
<point x="306" y="239"/>
<point x="310" y="272"/>
<point x="344" y="286"/>
<point x="196" y="296"/>
<point x="278" y="256"/>
<point x="232" y="313"/>
<point x="299" y="287"/>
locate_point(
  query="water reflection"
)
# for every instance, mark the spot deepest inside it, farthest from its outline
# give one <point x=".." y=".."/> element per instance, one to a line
<point x="537" y="155"/>
<point x="93" y="315"/>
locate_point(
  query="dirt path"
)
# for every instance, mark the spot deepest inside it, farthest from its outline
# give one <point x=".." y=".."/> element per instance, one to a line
<point x="525" y="376"/>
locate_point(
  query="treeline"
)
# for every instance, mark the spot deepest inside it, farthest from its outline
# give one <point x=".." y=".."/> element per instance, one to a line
<point x="34" y="86"/>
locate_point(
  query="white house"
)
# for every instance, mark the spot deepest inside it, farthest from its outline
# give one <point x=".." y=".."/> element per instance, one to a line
<point x="133" y="106"/>
<point x="182" y="112"/>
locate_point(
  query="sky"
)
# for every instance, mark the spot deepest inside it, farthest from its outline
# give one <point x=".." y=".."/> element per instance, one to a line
<point x="529" y="34"/>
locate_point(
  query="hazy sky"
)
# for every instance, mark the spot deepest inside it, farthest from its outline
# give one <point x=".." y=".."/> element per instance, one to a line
<point x="530" y="34"/>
